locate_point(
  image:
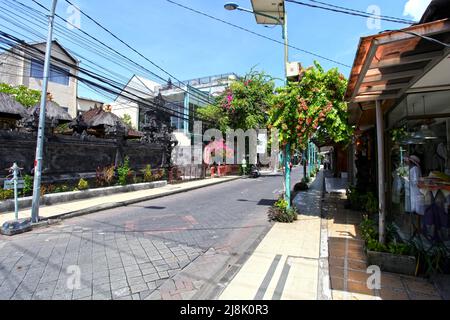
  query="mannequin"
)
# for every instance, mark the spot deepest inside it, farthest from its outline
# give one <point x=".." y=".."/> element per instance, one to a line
<point x="413" y="195"/>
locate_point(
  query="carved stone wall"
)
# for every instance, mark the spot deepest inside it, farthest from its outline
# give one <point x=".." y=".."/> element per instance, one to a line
<point x="71" y="157"/>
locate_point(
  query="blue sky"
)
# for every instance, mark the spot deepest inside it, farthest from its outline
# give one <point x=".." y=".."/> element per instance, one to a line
<point x="189" y="45"/>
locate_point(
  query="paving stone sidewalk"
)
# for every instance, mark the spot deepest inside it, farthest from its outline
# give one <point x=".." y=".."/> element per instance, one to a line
<point x="348" y="262"/>
<point x="285" y="265"/>
<point x="168" y="248"/>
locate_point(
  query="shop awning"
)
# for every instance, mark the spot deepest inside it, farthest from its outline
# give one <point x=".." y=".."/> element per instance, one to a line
<point x="388" y="64"/>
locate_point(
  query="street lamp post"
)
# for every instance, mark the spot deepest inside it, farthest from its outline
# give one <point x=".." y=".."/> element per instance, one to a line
<point x="283" y="23"/>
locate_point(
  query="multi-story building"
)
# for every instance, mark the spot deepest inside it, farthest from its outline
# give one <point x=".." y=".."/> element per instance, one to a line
<point x="18" y="67"/>
<point x="182" y="97"/>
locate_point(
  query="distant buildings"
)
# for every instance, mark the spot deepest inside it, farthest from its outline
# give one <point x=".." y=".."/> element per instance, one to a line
<point x="18" y="67"/>
<point x="183" y="98"/>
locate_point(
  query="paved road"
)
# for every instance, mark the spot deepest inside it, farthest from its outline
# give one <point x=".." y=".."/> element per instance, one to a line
<point x="176" y="247"/>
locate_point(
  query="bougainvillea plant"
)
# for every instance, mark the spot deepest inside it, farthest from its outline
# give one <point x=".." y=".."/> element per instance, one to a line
<point x="244" y="105"/>
<point x="312" y="108"/>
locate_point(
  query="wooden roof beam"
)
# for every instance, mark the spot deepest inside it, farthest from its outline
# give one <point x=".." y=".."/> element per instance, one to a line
<point x="407" y="60"/>
<point x="367" y="98"/>
<point x="392" y="76"/>
<point x="382" y="87"/>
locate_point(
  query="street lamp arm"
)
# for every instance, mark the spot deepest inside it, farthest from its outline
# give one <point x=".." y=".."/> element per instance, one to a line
<point x="261" y="14"/>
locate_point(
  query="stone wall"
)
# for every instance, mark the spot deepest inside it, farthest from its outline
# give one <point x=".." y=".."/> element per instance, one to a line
<point x="70" y="157"/>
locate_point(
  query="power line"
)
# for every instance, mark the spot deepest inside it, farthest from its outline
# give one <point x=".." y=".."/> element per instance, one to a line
<point x="256" y="33"/>
<point x="94" y="76"/>
<point x="199" y="96"/>
<point x="124" y="43"/>
<point x="363" y="12"/>
<point x="123" y="56"/>
<point x="352" y="13"/>
<point x="146" y="93"/>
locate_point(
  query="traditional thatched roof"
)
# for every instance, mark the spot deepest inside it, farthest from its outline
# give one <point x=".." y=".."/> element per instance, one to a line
<point x="53" y="112"/>
<point x="103" y="118"/>
<point x="10" y="107"/>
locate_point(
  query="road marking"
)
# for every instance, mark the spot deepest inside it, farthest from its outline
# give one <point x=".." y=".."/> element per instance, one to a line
<point x="265" y="284"/>
<point x="282" y="281"/>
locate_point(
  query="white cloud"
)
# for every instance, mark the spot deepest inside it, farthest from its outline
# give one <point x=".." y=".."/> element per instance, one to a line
<point x="416" y="8"/>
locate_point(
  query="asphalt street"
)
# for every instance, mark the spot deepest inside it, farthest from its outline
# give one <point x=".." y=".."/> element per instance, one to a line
<point x="169" y="248"/>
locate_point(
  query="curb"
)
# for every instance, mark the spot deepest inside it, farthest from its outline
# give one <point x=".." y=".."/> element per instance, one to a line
<point x="64" y="197"/>
<point x="234" y="265"/>
<point x="324" y="282"/>
<point x="113" y="205"/>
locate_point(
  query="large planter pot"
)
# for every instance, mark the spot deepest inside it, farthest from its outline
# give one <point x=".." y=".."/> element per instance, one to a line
<point x="393" y="263"/>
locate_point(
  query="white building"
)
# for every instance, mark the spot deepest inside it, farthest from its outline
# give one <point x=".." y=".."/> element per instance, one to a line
<point x="183" y="98"/>
<point x="19" y="68"/>
<point x="136" y="88"/>
<point x="85" y="104"/>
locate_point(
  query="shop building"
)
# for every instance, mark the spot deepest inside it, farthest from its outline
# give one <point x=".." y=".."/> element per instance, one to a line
<point x="399" y="101"/>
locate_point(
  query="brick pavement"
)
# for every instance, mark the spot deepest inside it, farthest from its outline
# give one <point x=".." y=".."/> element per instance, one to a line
<point x="169" y="248"/>
<point x="348" y="262"/>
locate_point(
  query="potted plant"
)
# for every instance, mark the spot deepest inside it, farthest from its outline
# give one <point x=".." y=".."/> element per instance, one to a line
<point x="394" y="256"/>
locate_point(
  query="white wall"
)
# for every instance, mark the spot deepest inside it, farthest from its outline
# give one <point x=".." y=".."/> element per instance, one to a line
<point x="130" y="108"/>
<point x="87" y="104"/>
<point x="65" y="96"/>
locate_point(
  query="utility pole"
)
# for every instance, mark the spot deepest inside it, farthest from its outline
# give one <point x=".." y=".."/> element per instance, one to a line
<point x="287" y="158"/>
<point x="42" y="113"/>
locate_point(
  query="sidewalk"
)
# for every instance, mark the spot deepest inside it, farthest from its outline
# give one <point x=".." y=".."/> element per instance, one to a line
<point x="348" y="262"/>
<point x="80" y="207"/>
<point x="285" y="265"/>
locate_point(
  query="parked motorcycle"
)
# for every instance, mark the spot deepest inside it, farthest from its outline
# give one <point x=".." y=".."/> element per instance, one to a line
<point x="255" y="172"/>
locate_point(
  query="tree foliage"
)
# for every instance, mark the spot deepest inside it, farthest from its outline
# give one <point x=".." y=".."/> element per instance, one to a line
<point x="126" y="118"/>
<point x="312" y="108"/>
<point x="244" y="105"/>
<point x="27" y="97"/>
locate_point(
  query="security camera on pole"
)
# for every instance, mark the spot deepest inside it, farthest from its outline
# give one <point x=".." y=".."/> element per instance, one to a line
<point x="42" y="113"/>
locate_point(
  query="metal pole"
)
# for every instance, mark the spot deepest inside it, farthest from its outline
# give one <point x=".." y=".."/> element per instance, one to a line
<point x="186" y="110"/>
<point x="381" y="178"/>
<point x="287" y="168"/>
<point x="15" y="169"/>
<point x="41" y="128"/>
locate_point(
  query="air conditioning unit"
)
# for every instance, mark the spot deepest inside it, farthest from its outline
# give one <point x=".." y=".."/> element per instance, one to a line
<point x="294" y="70"/>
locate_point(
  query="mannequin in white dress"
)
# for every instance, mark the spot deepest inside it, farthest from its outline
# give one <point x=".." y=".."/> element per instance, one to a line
<point x="413" y="196"/>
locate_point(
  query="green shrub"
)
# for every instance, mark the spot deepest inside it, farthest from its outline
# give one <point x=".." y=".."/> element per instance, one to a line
<point x="148" y="175"/>
<point x="280" y="213"/>
<point x="83" y="185"/>
<point x="370" y="235"/>
<point x="124" y="172"/>
<point x="6" y="194"/>
<point x="27" y="185"/>
<point x="62" y="188"/>
<point x="371" y="205"/>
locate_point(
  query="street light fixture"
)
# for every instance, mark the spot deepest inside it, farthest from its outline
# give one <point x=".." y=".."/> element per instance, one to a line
<point x="231" y="6"/>
<point x="282" y="20"/>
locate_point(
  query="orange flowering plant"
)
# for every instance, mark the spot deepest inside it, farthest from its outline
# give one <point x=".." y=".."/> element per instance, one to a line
<point x="313" y="107"/>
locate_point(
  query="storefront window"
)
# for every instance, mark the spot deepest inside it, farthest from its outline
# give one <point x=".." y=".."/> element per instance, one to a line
<point x="420" y="166"/>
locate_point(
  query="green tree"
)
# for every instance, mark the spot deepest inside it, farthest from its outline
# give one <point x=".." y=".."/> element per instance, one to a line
<point x="126" y="118"/>
<point x="27" y="97"/>
<point x="313" y="107"/>
<point x="244" y="105"/>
